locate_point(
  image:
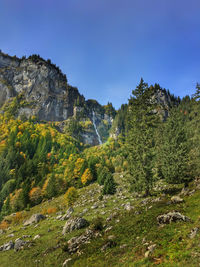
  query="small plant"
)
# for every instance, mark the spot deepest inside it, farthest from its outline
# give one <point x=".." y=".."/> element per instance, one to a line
<point x="4" y="225"/>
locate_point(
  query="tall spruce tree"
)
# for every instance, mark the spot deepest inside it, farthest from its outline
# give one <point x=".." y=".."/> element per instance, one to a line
<point x="175" y="148"/>
<point x="142" y="121"/>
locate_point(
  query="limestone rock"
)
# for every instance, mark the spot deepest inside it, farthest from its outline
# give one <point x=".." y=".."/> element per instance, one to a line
<point x="19" y="244"/>
<point x="35" y="218"/>
<point x="65" y="263"/>
<point x="172" y="217"/>
<point x="176" y="200"/>
<point x="67" y="215"/>
<point x="7" y="246"/>
<point x="75" y="224"/>
<point x="36" y="237"/>
<point x="75" y="242"/>
<point x="193" y="232"/>
<point x="150" y="250"/>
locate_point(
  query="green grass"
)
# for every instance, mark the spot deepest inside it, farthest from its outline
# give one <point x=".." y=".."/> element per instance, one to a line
<point x="173" y="245"/>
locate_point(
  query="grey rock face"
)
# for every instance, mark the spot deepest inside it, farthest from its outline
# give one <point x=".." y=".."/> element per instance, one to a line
<point x="172" y="217"/>
<point x="41" y="83"/>
<point x="74" y="224"/>
<point x="35" y="218"/>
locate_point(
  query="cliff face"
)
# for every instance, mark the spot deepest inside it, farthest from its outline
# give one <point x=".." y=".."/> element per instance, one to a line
<point x="49" y="97"/>
<point x="41" y="83"/>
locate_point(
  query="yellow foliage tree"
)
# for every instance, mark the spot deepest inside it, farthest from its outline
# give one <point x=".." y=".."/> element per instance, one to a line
<point x="78" y="166"/>
<point x="86" y="177"/>
<point x="71" y="196"/>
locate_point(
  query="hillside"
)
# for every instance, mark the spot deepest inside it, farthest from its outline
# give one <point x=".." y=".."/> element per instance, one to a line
<point x="81" y="182"/>
<point x="129" y="227"/>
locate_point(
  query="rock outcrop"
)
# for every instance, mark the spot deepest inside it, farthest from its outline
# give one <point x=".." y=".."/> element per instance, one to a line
<point x="172" y="217"/>
<point x="35" y="218"/>
<point x="74" y="224"/>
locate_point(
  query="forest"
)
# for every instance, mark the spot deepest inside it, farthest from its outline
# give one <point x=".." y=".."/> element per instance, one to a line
<point x="38" y="162"/>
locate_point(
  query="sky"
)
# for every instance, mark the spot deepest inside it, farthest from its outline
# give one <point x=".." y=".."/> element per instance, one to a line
<point x="105" y="46"/>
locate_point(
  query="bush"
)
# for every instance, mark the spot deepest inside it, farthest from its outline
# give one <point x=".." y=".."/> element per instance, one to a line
<point x="71" y="196"/>
<point x="4" y="225"/>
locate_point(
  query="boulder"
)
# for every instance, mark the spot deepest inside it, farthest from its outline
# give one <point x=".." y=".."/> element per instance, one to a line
<point x="67" y="215"/>
<point x="193" y="232"/>
<point x="75" y="242"/>
<point x="171" y="217"/>
<point x="7" y="246"/>
<point x="176" y="200"/>
<point x="19" y="244"/>
<point x="75" y="224"/>
<point x="35" y="218"/>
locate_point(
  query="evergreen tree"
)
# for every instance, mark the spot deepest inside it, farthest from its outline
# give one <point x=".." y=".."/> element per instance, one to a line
<point x="109" y="185"/>
<point x="175" y="148"/>
<point x="142" y="122"/>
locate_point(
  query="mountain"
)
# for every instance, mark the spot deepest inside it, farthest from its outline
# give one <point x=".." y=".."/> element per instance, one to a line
<point x="48" y="96"/>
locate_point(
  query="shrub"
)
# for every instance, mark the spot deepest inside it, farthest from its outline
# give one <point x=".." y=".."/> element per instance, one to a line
<point x="71" y="196"/>
<point x="51" y="210"/>
<point x="4" y="225"/>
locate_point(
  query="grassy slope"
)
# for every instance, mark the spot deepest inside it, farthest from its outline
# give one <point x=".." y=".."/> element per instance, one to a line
<point x="174" y="247"/>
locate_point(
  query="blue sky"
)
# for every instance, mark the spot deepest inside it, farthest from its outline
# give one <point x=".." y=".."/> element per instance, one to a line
<point x="105" y="46"/>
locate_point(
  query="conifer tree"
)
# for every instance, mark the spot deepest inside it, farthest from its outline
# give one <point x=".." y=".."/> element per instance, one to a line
<point x="109" y="185"/>
<point x="175" y="148"/>
<point x="142" y="122"/>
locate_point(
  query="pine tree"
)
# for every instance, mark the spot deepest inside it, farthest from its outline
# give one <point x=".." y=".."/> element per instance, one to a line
<point x="140" y="142"/>
<point x="175" y="148"/>
<point x="109" y="185"/>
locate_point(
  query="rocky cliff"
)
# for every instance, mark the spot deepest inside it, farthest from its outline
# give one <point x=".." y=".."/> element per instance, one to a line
<point x="49" y="97"/>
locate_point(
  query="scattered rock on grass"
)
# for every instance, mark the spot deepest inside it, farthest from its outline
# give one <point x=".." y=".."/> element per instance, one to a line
<point x="172" y="217"/>
<point x="19" y="244"/>
<point x="74" y="243"/>
<point x="67" y="215"/>
<point x="65" y="263"/>
<point x="36" y="237"/>
<point x="7" y="246"/>
<point x="150" y="250"/>
<point x="176" y="200"/>
<point x="193" y="232"/>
